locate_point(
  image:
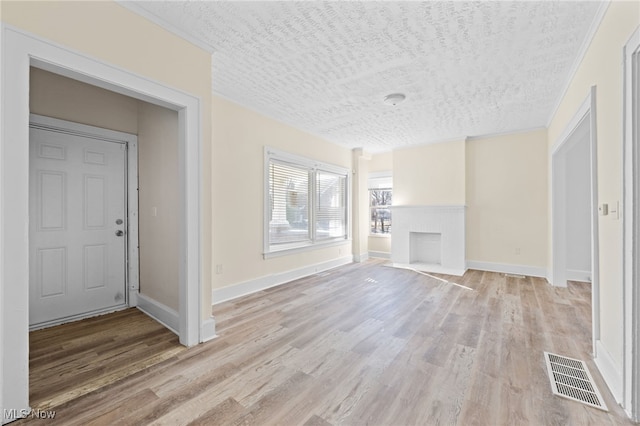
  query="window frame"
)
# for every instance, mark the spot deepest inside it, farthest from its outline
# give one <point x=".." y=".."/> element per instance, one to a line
<point x="379" y="181"/>
<point x="271" y="154"/>
<point x="371" y="207"/>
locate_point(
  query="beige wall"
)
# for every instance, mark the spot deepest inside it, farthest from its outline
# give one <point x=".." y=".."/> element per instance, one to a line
<point x="429" y="175"/>
<point x="382" y="162"/>
<point x="506" y="186"/>
<point x="157" y="128"/>
<point x="159" y="203"/>
<point x="602" y="66"/>
<point x="56" y="96"/>
<point x="108" y="32"/>
<point x="238" y="189"/>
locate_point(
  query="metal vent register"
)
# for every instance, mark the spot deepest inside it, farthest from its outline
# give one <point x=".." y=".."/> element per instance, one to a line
<point x="570" y="378"/>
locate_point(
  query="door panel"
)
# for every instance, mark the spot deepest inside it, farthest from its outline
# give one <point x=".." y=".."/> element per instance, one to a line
<point x="77" y="193"/>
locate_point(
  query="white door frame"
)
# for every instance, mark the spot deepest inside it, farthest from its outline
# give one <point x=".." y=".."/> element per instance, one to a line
<point x="20" y="50"/>
<point x="631" y="225"/>
<point x="132" y="275"/>
<point x="587" y="111"/>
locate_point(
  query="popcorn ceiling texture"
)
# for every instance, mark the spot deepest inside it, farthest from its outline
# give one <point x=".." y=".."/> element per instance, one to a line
<point x="467" y="68"/>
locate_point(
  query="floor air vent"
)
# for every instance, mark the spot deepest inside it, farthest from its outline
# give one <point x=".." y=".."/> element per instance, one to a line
<point x="571" y="379"/>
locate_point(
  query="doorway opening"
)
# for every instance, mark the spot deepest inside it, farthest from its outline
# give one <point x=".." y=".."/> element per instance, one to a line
<point x="574" y="207"/>
<point x="22" y="51"/>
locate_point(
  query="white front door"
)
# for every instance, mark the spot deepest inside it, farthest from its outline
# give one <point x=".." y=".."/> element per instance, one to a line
<point x="77" y="221"/>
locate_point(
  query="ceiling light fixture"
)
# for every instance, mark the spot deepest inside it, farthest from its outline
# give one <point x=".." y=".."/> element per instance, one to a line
<point x="394" y="99"/>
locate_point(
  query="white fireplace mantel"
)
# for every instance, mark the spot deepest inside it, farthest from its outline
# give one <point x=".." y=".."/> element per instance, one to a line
<point x="442" y="225"/>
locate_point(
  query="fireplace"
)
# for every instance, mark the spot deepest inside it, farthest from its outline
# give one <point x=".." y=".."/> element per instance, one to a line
<point x="429" y="238"/>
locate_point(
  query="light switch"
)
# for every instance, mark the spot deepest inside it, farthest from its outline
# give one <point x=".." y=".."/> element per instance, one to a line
<point x="154" y="211"/>
<point x="603" y="209"/>
<point x="614" y="211"/>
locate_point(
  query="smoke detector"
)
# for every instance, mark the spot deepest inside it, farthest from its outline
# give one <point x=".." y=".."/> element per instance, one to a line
<point x="394" y="99"/>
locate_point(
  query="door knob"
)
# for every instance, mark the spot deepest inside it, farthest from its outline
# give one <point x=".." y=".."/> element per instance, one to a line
<point x="119" y="233"/>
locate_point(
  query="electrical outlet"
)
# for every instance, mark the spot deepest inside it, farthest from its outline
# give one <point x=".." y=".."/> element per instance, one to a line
<point x="218" y="269"/>
<point x="517" y="250"/>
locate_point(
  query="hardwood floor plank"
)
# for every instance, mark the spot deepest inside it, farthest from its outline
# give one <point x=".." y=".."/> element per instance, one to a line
<point x="362" y="344"/>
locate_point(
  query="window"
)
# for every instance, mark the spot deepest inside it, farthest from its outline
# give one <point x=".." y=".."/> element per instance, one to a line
<point x="380" y="200"/>
<point x="305" y="203"/>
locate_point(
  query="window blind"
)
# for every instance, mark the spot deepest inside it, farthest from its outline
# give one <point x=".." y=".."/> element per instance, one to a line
<point x="330" y="215"/>
<point x="289" y="202"/>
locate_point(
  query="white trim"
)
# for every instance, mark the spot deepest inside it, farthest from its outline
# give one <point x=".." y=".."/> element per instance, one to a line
<point x="432" y="268"/>
<point x="358" y="258"/>
<point x="3" y="418"/>
<point x="382" y="174"/>
<point x="507" y="133"/>
<point x="631" y="226"/>
<point x="572" y="125"/>
<point x="292" y="249"/>
<point x="508" y="268"/>
<point x="245" y="288"/>
<point x="159" y="312"/>
<point x="133" y="255"/>
<point x="139" y="10"/>
<point x="131" y="142"/>
<point x="81" y="316"/>
<point x="434" y="207"/>
<point x="20" y="50"/>
<point x="379" y="255"/>
<point x="208" y="330"/>
<point x="593" y="28"/>
<point x="609" y="370"/>
<point x="581" y="276"/>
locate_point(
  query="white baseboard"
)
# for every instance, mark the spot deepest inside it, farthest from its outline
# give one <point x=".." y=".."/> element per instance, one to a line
<point x="507" y="268"/>
<point x="159" y="312"/>
<point x="380" y="254"/>
<point x="234" y="291"/>
<point x="361" y="257"/>
<point x="208" y="330"/>
<point x="609" y="370"/>
<point x="434" y="269"/>
<point x="582" y="276"/>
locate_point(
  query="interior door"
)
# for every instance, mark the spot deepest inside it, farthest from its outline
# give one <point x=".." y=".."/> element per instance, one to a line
<point x="76" y="226"/>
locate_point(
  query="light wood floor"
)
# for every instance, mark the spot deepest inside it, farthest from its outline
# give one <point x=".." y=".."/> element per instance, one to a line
<point x="363" y="344"/>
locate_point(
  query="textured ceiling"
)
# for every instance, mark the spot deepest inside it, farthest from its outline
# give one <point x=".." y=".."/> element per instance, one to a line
<point x="467" y="68"/>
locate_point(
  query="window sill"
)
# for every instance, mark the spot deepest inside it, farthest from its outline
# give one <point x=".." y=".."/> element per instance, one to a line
<point x="380" y="235"/>
<point x="308" y="247"/>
